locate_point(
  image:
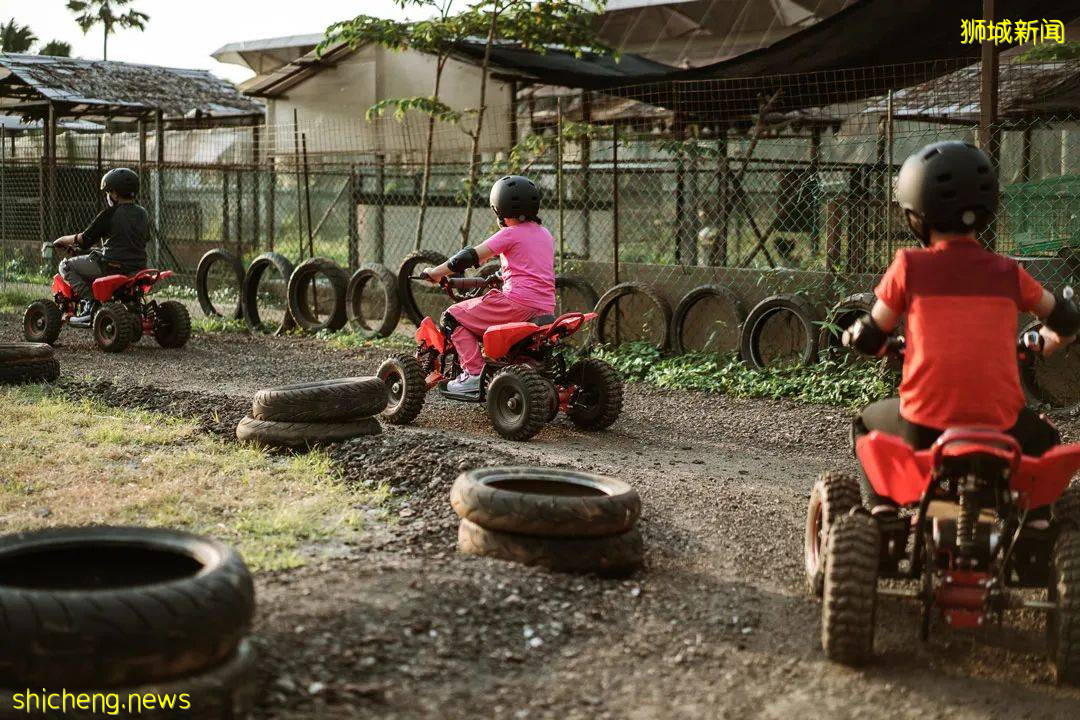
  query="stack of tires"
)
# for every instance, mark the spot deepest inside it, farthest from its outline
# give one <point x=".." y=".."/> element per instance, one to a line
<point x="314" y="413"/>
<point x="27" y="363"/>
<point x="563" y="520"/>
<point x="120" y="612"/>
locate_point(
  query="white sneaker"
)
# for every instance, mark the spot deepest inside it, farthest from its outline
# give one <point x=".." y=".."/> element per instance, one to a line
<point x="465" y="383"/>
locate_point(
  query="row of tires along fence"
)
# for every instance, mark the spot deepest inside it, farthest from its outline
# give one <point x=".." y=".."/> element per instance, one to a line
<point x="780" y="330"/>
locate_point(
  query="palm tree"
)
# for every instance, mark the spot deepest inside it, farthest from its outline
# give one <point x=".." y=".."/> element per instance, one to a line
<point x="89" y="13"/>
<point x="55" y="48"/>
<point x="16" y="38"/>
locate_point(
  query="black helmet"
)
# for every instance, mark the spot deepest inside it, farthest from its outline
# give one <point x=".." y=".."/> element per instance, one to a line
<point x="515" y="196"/>
<point x="947" y="186"/>
<point x="122" y="181"/>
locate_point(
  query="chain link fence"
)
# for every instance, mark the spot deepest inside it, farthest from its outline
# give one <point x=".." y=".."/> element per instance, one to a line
<point x="756" y="186"/>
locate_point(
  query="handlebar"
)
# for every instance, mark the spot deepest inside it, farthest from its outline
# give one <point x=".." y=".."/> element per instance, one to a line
<point x="470" y="287"/>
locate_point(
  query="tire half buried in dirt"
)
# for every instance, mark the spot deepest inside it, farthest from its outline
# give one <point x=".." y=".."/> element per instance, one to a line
<point x="202" y="283"/>
<point x="545" y="501"/>
<point x="410" y="266"/>
<point x="253" y="279"/>
<point x="303" y="434"/>
<point x="610" y="555"/>
<point x="796" y="308"/>
<point x="102" y="607"/>
<point x="608" y="303"/>
<point x="304" y="302"/>
<point x="373" y="274"/>
<point x="27" y="363"/>
<point x="723" y="333"/>
<point x="340" y="400"/>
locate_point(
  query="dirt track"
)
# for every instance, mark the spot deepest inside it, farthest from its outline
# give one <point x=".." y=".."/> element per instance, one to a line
<point x="716" y="625"/>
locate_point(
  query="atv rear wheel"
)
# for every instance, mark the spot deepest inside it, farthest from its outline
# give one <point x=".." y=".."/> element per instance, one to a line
<point x="136" y="328"/>
<point x="518" y="402"/>
<point x="42" y="322"/>
<point x="850" y="594"/>
<point x="112" y="327"/>
<point x="172" y="326"/>
<point x="599" y="397"/>
<point x="1063" y="622"/>
<point x="406" y="388"/>
<point x="834" y="494"/>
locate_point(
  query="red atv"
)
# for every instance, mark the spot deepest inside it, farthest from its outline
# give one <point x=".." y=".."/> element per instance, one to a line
<point x="962" y="537"/>
<point x="525" y="382"/>
<point x="122" y="312"/>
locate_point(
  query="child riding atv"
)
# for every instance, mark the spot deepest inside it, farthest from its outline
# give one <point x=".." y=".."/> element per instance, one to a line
<point x="961" y="302"/>
<point x="527" y="250"/>
<point x="123" y="229"/>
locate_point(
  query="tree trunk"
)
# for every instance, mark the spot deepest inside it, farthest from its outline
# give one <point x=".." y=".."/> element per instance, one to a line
<point x="474" y="159"/>
<point x="440" y="63"/>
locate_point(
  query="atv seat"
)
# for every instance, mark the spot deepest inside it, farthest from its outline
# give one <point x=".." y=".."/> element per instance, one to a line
<point x="105" y="287"/>
<point x="543" y="320"/>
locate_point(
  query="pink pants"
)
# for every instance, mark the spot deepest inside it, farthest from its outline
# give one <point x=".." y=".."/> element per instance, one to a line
<point x="477" y="315"/>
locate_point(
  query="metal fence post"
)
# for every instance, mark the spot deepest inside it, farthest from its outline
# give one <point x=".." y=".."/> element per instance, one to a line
<point x="354" y="228"/>
<point x="159" y="186"/>
<point x="255" y="224"/>
<point x="378" y="220"/>
<point x="559" y="183"/>
<point x="615" y="220"/>
<point x="224" y="207"/>
<point x="888" y="177"/>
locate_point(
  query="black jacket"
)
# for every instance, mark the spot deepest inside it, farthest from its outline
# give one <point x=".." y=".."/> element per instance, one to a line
<point x="123" y="230"/>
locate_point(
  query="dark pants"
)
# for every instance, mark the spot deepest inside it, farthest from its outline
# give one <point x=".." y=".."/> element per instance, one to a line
<point x="80" y="273"/>
<point x="1034" y="433"/>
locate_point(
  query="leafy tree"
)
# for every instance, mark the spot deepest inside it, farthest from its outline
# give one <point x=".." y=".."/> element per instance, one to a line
<point x="435" y="36"/>
<point x="16" y="38"/>
<point x="109" y="14"/>
<point x="1050" y="52"/>
<point x="531" y="25"/>
<point x="56" y="48"/>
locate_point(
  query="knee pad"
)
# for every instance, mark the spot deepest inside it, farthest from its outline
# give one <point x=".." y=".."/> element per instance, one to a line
<point x="448" y="322"/>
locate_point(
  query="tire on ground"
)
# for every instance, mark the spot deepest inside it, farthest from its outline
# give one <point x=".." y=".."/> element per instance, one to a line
<point x="112" y="327"/>
<point x="795" y="305"/>
<point x="1066" y="509"/>
<point x="250" y="291"/>
<point x="202" y="282"/>
<point x="42" y="322"/>
<point x="545" y="501"/>
<point x="842" y="315"/>
<point x="610" y="555"/>
<point x="172" y="327"/>
<point x="609" y="300"/>
<point x="690" y="300"/>
<point x="137" y="328"/>
<point x="833" y="495"/>
<point x="34" y="371"/>
<point x="302" y="306"/>
<point x="354" y="298"/>
<point x="112" y="607"/>
<point x="339" y="400"/>
<point x="23" y="352"/>
<point x="272" y="433"/>
<point x="600" y="394"/>
<point x="517" y="402"/>
<point x="849" y="603"/>
<point x="410" y="266"/>
<point x="1063" y="623"/>
<point x="406" y="388"/>
<point x="581" y="287"/>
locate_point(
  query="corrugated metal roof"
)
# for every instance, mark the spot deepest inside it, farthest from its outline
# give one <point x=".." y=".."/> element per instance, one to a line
<point x="119" y="87"/>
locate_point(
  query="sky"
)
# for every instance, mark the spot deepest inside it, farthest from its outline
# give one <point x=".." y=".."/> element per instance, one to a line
<point x="183" y="33"/>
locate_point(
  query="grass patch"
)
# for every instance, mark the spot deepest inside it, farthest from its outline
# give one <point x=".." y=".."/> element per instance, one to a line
<point x="827" y="382"/>
<point x="349" y="340"/>
<point x="204" y="324"/>
<point x="112" y="466"/>
<point x="15" y="300"/>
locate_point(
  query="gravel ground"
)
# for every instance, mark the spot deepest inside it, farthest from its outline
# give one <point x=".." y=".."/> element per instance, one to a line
<point x="716" y="625"/>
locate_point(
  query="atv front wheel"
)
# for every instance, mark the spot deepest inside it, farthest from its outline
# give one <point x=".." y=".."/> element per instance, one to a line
<point x="518" y="402"/>
<point x="112" y="327"/>
<point x="850" y="595"/>
<point x="172" y="326"/>
<point x="599" y="397"/>
<point x="1063" y="622"/>
<point x="406" y="388"/>
<point x="834" y="494"/>
<point x="42" y="322"/>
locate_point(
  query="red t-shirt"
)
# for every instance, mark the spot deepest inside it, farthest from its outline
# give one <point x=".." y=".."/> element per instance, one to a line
<point x="962" y="303"/>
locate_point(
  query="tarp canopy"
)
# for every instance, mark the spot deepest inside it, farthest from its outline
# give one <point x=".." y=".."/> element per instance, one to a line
<point x="558" y="67"/>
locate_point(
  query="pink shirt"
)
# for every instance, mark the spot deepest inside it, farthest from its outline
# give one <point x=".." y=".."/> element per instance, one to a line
<point x="528" y="264"/>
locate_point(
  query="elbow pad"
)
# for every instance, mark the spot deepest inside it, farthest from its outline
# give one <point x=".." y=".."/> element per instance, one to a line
<point x="463" y="260"/>
<point x="1064" y="319"/>
<point x="866" y="337"/>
